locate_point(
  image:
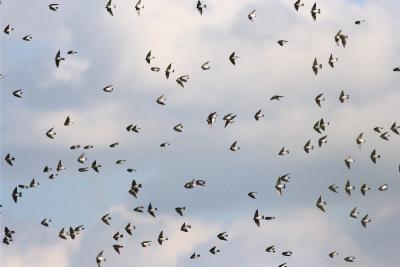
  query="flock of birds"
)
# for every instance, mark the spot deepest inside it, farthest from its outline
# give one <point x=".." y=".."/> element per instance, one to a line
<point x="320" y="127"/>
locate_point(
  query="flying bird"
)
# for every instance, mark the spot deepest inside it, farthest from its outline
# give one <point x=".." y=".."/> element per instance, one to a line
<point x="298" y="4"/>
<point x="138" y="7"/>
<point x="58" y="58"/>
<point x="316" y="67"/>
<point x="233" y="57"/>
<point x="110" y="7"/>
<point x="252" y="15"/>
<point x="315" y="11"/>
<point x="340" y="38"/>
<point x="200" y="7"/>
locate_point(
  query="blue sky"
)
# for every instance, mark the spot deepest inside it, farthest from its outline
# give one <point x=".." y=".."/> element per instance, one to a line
<point x="111" y="50"/>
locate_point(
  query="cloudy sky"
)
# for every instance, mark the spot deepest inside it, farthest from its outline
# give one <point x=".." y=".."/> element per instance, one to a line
<point x="111" y="50"/>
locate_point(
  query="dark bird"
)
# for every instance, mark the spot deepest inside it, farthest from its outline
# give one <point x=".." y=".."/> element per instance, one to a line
<point x="54" y="7"/>
<point x="233" y="57"/>
<point x="316" y="67"/>
<point x="315" y="11"/>
<point x="15" y="194"/>
<point x="341" y="38"/>
<point x="9" y="159"/>
<point x="117" y="248"/>
<point x="58" y="58"/>
<point x="110" y="7"/>
<point x="200" y="7"/>
<point x="298" y="4"/>
<point x="149" y="57"/>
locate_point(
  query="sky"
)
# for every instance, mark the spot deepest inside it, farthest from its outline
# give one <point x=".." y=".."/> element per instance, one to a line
<point x="112" y="50"/>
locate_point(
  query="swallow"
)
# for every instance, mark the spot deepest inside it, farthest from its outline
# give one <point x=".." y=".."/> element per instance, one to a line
<point x="395" y="128"/>
<point x="206" y="66"/>
<point x="223" y="236"/>
<point x="359" y="22"/>
<point x="169" y="70"/>
<point x="185" y="227"/>
<point x="252" y="195"/>
<point x="117" y="248"/>
<point x="161" y="238"/>
<point x="316" y="67"/>
<point x="348" y="161"/>
<point x="365" y="220"/>
<point x="270" y="249"/>
<point x="354" y="213"/>
<point x="194" y="256"/>
<point x="214" y="250"/>
<point x="106" y="219"/>
<point x="212" y="117"/>
<point x="182" y="80"/>
<point x="15" y="194"/>
<point x="233" y="57"/>
<point x="108" y="88"/>
<point x="234" y="147"/>
<point x="117" y="236"/>
<point x="308" y="147"/>
<point x="129" y="228"/>
<point x="319" y="98"/>
<point x="276" y="97"/>
<point x="364" y="188"/>
<point x="138" y="209"/>
<point x="322" y="140"/>
<point x="333" y="254"/>
<point x="258" y="115"/>
<point x="54" y="7"/>
<point x="282" y="42"/>
<point x="9" y="159"/>
<point x="321" y="204"/>
<point x="200" y="7"/>
<point x="138" y="7"/>
<point x="341" y="38"/>
<point x="100" y="258"/>
<point x="374" y="156"/>
<point x="149" y="57"/>
<point x="348" y="187"/>
<point x="110" y="7"/>
<point x="58" y="58"/>
<point x="350" y="259"/>
<point x="315" y="11"/>
<point x="385" y="136"/>
<point x="178" y="128"/>
<point x="161" y="100"/>
<point x="252" y="15"/>
<point x="383" y="187"/>
<point x="298" y="4"/>
<point x="45" y="222"/>
<point x="8" y="29"/>
<point x="151" y="210"/>
<point x="51" y="133"/>
<point x="332" y="60"/>
<point x="145" y="244"/>
<point x="27" y="38"/>
<point x="180" y="210"/>
<point x="95" y="166"/>
<point x="343" y="97"/>
<point x="62" y="234"/>
<point x="334" y="188"/>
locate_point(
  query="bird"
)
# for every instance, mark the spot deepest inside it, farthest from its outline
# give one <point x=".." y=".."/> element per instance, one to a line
<point x="322" y="140"/>
<point x="68" y="121"/>
<point x="360" y="140"/>
<point x="108" y="88"/>
<point x="214" y="250"/>
<point x="117" y="236"/>
<point x="298" y="4"/>
<point x="334" y="188"/>
<point x="180" y="210"/>
<point x="165" y="144"/>
<point x="138" y="7"/>
<point x="287" y="253"/>
<point x="279" y="186"/>
<point x="319" y="98"/>
<point x="151" y="210"/>
<point x="117" y="248"/>
<point x="276" y="97"/>
<point x="282" y="42"/>
<point x="350" y="259"/>
<point x="72" y="52"/>
<point x="234" y="147"/>
<point x="74" y="147"/>
<point x="95" y="166"/>
<point x="8" y="29"/>
<point x="315" y="11"/>
<point x="333" y="254"/>
<point x="114" y="145"/>
<point x="138" y="209"/>
<point x="185" y="227"/>
<point x="62" y="234"/>
<point x="383" y="187"/>
<point x="365" y="220"/>
<point x="9" y="159"/>
<point x="45" y="222"/>
<point x="233" y="57"/>
<point x="257" y="218"/>
<point x="341" y="38"/>
<point x="348" y="187"/>
<point x="155" y="69"/>
<point x="396" y="69"/>
<point x="343" y="97"/>
<point x="33" y="183"/>
<point x="194" y="256"/>
<point x="316" y="67"/>
<point x="149" y="57"/>
<point x="348" y="161"/>
<point x="51" y="133"/>
<point x="15" y="194"/>
<point x="60" y="166"/>
<point x="229" y="119"/>
<point x="212" y="117"/>
<point x="258" y="115"/>
<point x="270" y="249"/>
<point x="321" y="204"/>
<point x="223" y="236"/>
<point x="374" y="156"/>
<point x="106" y="219"/>
<point x="283" y="152"/>
<point x="364" y="188"/>
<point x="110" y="7"/>
<point x="169" y="70"/>
<point x="385" y="136"/>
<point x="308" y="147"/>
<point x="178" y="128"/>
<point x="82" y="159"/>
<point x="27" y="38"/>
<point x="252" y="15"/>
<point x="133" y="128"/>
<point x="161" y="238"/>
<point x="182" y="79"/>
<point x="354" y="213"/>
<point x="145" y="244"/>
<point x="129" y="228"/>
<point x="332" y="61"/>
<point x="395" y="128"/>
<point x="359" y="22"/>
<point x="161" y="100"/>
<point x="135" y="188"/>
<point x="58" y="58"/>
<point x="200" y="7"/>
<point x="252" y="195"/>
<point x="100" y="258"/>
<point x="54" y="7"/>
<point x="206" y="65"/>
<point x="378" y="129"/>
